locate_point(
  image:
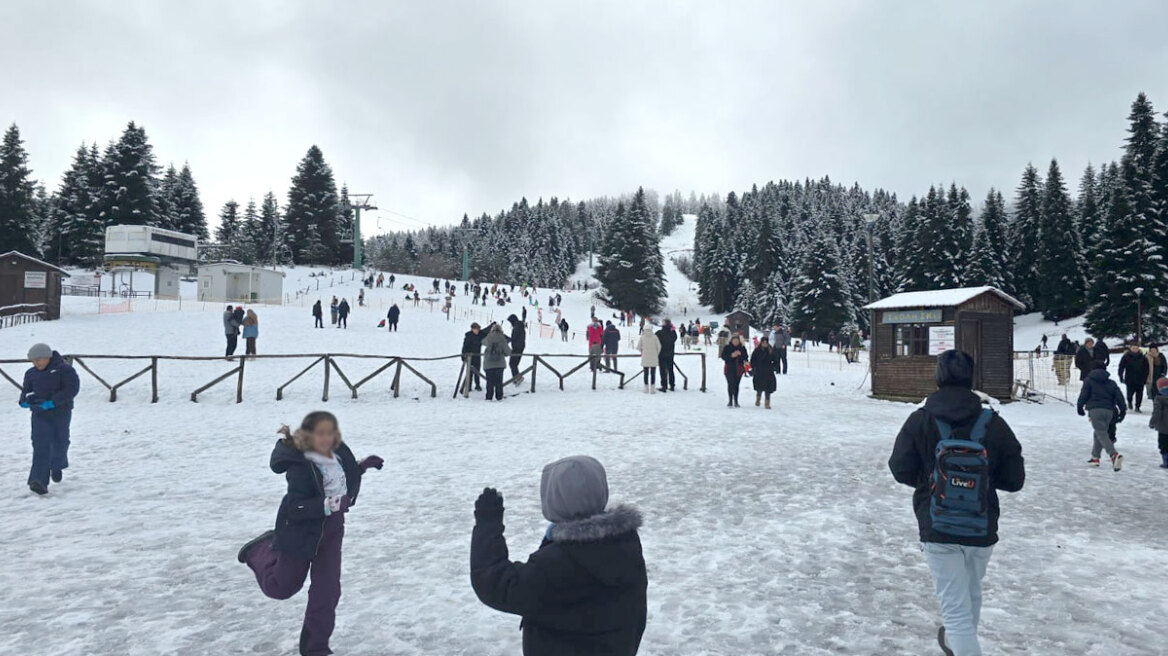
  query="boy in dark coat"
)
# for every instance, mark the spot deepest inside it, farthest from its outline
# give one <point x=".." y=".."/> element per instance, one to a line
<point x="668" y="338"/>
<point x="1133" y="371"/>
<point x="518" y="339"/>
<point x="957" y="563"/>
<point x="1102" y="402"/>
<point x="584" y="591"/>
<point x="611" y="341"/>
<point x="49" y="388"/>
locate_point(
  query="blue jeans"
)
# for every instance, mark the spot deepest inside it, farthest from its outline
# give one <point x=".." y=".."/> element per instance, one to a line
<point x="957" y="574"/>
<point x="50" y="444"/>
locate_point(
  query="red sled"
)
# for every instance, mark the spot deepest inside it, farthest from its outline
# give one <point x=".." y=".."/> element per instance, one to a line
<point x="382" y="324"/>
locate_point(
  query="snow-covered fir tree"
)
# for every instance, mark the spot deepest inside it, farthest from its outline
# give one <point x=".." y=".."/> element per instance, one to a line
<point x="312" y="212"/>
<point x="1025" y="228"/>
<point x="18" y="210"/>
<point x="821" y="301"/>
<point x="1060" y="258"/>
<point x="631" y="269"/>
<point x="129" y="186"/>
<point x="990" y="262"/>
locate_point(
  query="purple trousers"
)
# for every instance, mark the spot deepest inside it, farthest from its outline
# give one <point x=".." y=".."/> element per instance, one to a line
<point x="282" y="575"/>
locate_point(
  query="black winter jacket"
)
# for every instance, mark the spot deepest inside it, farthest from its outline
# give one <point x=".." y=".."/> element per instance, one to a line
<point x="762" y="368"/>
<point x="1159" y="367"/>
<point x="1133" y="368"/>
<point x="518" y="335"/>
<point x="582" y="594"/>
<point x="668" y="339"/>
<point x="57" y="383"/>
<point x="343" y="309"/>
<point x="300" y="520"/>
<point x="611" y="340"/>
<point x="1099" y="391"/>
<point x="1102" y="353"/>
<point x="1159" y="420"/>
<point x="913" y="457"/>
<point x="394" y="313"/>
<point x="472" y="343"/>
<point x="1084" y="362"/>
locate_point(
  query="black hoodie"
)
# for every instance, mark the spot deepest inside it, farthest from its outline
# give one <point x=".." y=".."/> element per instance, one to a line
<point x="300" y="520"/>
<point x="913" y="457"/>
<point x="582" y="594"/>
<point x="518" y="335"/>
<point x="1100" y="392"/>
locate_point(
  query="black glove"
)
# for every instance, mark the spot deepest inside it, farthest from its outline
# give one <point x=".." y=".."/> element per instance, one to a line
<point x="1082" y="413"/>
<point x="1119" y="419"/>
<point x="489" y="506"/>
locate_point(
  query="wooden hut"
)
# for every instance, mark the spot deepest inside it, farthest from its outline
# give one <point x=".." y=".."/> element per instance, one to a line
<point x="738" y="321"/>
<point x="29" y="288"/>
<point x="912" y="328"/>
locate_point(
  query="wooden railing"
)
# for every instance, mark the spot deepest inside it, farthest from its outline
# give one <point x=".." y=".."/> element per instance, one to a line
<point x="330" y="365"/>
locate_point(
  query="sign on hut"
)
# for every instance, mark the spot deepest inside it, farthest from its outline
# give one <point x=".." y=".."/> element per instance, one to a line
<point x="911" y="329"/>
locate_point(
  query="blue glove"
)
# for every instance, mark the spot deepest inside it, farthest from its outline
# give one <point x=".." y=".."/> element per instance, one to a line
<point x="24" y="404"/>
<point x="47" y="405"/>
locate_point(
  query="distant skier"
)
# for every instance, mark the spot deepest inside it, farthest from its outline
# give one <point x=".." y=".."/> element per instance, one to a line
<point x="496" y="350"/>
<point x="668" y="339"/>
<point x="612" y="337"/>
<point x="958" y="522"/>
<point x="317" y="314"/>
<point x="48" y="391"/>
<point x="584" y="590"/>
<point x="734" y="355"/>
<point x="343" y="314"/>
<point x="392" y="317"/>
<point x="1133" y="371"/>
<point x="231" y="330"/>
<point x="518" y="340"/>
<point x="763" y="365"/>
<point x="1101" y="401"/>
<point x="324" y="480"/>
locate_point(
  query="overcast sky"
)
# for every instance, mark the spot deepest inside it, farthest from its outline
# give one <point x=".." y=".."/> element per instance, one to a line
<point x="444" y="107"/>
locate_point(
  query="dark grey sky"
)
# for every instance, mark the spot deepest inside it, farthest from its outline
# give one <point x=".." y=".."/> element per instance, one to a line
<point x="446" y="107"/>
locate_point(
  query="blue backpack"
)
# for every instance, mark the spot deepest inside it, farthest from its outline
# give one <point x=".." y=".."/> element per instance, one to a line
<point x="960" y="483"/>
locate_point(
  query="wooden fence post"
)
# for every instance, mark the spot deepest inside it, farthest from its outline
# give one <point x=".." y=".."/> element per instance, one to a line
<point x="397" y="380"/>
<point x="327" y="365"/>
<point x="703" y="371"/>
<point x="239" y="384"/>
<point x="534" y="368"/>
<point x="154" y="380"/>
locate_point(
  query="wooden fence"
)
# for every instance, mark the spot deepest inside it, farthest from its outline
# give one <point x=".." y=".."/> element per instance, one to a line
<point x="329" y="364"/>
<point x="15" y="315"/>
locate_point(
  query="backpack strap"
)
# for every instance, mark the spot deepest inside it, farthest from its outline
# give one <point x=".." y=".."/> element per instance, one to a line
<point x="944" y="428"/>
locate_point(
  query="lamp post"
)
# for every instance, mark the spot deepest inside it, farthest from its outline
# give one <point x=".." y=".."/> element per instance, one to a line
<point x="1139" y="316"/>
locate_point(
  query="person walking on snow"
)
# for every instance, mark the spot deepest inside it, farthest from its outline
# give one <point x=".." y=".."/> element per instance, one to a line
<point x="323" y="482"/>
<point x="668" y="340"/>
<point x="496" y="350"/>
<point x="1133" y="371"/>
<point x="595" y="334"/>
<point x="763" y="366"/>
<point x="317" y="315"/>
<point x="585" y="590"/>
<point x="231" y="330"/>
<point x="472" y="349"/>
<point x="734" y="354"/>
<point x="563" y="324"/>
<point x="1085" y="358"/>
<point x="333" y="309"/>
<point x="780" y="342"/>
<point x="392" y="317"/>
<point x="1157" y="369"/>
<point x="49" y="387"/>
<point x="612" y="337"/>
<point x="957" y="544"/>
<point x="1102" y="402"/>
<point x="1159" y="420"/>
<point x="518" y="339"/>
<point x="251" y="332"/>
<point x="343" y="314"/>
<point x="650" y="347"/>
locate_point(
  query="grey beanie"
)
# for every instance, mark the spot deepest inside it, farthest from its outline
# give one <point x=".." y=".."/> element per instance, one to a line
<point x="573" y="488"/>
<point x="39" y="351"/>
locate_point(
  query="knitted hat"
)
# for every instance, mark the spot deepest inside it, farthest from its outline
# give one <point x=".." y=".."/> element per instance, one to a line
<point x="954" y="368"/>
<point x="40" y="352"/>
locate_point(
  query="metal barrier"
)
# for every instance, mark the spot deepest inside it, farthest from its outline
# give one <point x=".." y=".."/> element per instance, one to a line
<point x="1044" y="374"/>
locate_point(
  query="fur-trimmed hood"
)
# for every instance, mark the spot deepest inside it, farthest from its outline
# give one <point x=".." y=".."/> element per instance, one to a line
<point x="610" y="523"/>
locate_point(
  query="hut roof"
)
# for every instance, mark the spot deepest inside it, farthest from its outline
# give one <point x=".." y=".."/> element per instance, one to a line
<point x="940" y="298"/>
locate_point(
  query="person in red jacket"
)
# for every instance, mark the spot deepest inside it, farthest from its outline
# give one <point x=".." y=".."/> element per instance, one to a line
<point x="595" y="341"/>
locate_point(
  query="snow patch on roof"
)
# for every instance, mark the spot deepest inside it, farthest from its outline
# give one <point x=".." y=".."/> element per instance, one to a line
<point x="939" y="298"/>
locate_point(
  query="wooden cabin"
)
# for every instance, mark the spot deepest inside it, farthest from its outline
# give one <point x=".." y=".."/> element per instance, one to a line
<point x="29" y="288"/>
<point x="911" y="329"/>
<point x="738" y="321"/>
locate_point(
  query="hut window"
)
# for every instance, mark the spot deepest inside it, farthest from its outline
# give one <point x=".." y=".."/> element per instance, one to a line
<point x="911" y="339"/>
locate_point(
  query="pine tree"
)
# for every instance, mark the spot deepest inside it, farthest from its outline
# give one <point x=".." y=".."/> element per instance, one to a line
<point x="128" y="193"/>
<point x="312" y="212"/>
<point x="1059" y="257"/>
<point x="821" y="301"/>
<point x="1024" y="235"/>
<point x="18" y="212"/>
<point x="631" y="270"/>
<point x="267" y="248"/>
<point x="229" y="233"/>
<point x="1160" y="173"/>
<point x="249" y="234"/>
<point x="186" y="208"/>
<point x="990" y="260"/>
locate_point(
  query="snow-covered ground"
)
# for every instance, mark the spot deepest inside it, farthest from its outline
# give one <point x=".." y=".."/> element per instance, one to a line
<point x="776" y="532"/>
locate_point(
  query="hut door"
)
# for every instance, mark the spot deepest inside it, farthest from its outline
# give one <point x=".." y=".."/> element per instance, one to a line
<point x="969" y="340"/>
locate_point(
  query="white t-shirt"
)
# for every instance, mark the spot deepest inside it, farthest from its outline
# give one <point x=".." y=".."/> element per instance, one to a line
<point x="331" y="471"/>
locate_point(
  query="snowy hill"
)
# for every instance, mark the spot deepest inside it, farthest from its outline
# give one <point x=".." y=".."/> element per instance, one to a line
<point x="755" y="542"/>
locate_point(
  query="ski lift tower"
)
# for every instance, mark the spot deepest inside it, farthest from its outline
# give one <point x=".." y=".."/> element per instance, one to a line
<point x="359" y="202"/>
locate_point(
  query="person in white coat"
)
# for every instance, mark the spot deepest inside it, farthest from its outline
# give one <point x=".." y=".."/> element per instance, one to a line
<point x="650" y="351"/>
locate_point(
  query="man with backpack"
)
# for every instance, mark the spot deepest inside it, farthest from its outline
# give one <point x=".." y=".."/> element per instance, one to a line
<point x="957" y="455"/>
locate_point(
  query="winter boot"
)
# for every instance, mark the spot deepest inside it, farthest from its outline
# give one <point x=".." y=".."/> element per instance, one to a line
<point x="57" y="475"/>
<point x="758" y="399"/>
<point x="652" y="389"/>
<point x="38" y="487"/>
<point x="1117" y="462"/>
<point x="1093" y="462"/>
<point x="768" y="403"/>
<point x="941" y="641"/>
<point x="262" y="537"/>
<point x="1164" y="458"/>
<point x="646" y="388"/>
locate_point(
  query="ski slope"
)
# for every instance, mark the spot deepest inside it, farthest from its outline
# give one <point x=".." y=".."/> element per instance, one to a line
<point x="776" y="532"/>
